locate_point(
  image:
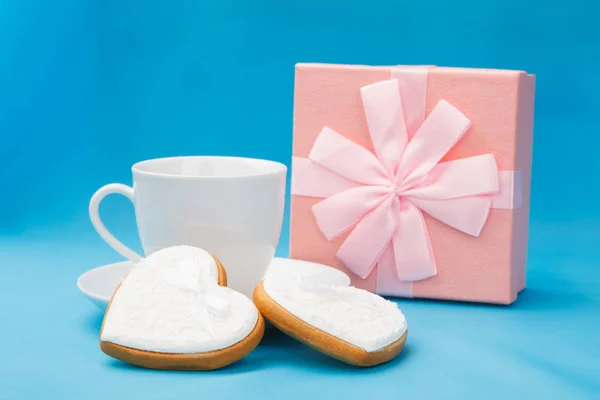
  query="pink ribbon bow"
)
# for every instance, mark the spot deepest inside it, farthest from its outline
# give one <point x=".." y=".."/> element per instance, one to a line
<point x="381" y="197"/>
<point x="189" y="276"/>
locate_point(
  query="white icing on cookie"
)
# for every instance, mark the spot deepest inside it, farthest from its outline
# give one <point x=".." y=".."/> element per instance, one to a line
<point x="175" y="254"/>
<point x="173" y="308"/>
<point x="353" y="315"/>
<point x="282" y="268"/>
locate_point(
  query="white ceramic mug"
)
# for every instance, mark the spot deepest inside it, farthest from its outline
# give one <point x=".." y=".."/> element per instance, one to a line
<point x="229" y="206"/>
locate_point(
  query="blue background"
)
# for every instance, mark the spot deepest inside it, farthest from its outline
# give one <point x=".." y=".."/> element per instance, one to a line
<point x="89" y="87"/>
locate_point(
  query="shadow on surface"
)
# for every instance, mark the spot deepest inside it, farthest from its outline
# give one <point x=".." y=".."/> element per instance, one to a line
<point x="93" y="322"/>
<point x="530" y="298"/>
<point x="278" y="350"/>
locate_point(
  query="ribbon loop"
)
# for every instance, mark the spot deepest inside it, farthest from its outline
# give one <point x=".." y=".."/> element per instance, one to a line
<point x="412" y="84"/>
<point x="385" y="118"/>
<point x="313" y="180"/>
<point x="185" y="276"/>
<point x="364" y="245"/>
<point x="347" y="159"/>
<point x="440" y="131"/>
<point x="459" y="178"/>
<point x="339" y="213"/>
<point x="467" y="214"/>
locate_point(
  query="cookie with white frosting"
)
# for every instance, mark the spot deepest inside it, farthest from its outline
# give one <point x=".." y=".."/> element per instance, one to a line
<point x="299" y="269"/>
<point x="347" y="323"/>
<point x="208" y="264"/>
<point x="174" y="315"/>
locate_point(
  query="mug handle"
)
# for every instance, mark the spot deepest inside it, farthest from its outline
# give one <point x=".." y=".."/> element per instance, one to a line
<point x="104" y="191"/>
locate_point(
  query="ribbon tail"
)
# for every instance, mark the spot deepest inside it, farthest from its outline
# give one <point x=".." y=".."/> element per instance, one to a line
<point x="365" y="244"/>
<point x="412" y="247"/>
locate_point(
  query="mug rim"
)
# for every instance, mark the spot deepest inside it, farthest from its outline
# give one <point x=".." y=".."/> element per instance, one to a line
<point x="278" y="168"/>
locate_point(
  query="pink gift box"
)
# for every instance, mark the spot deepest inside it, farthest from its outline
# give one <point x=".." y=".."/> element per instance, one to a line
<point x="414" y="181"/>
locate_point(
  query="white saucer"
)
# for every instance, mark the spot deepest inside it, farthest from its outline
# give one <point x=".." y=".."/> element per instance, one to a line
<point x="98" y="284"/>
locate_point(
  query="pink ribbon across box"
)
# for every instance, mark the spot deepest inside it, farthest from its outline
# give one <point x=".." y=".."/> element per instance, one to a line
<point x="414" y="180"/>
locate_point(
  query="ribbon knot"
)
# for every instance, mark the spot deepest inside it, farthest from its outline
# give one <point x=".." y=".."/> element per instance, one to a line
<point x="380" y="197"/>
<point x="185" y="275"/>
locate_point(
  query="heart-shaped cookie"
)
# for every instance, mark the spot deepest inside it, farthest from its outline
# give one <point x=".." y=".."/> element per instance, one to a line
<point x="318" y="309"/>
<point x="173" y="315"/>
